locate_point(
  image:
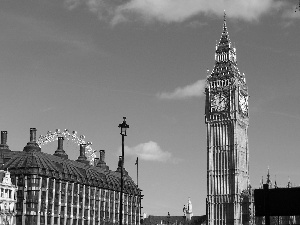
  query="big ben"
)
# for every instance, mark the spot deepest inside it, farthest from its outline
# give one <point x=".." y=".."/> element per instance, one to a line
<point x="227" y="121"/>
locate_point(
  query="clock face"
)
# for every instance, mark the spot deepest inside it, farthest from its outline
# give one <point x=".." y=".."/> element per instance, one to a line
<point x="243" y="102"/>
<point x="219" y="102"/>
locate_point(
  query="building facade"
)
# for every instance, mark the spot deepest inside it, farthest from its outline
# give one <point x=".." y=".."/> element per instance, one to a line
<point x="188" y="210"/>
<point x="54" y="190"/>
<point x="227" y="120"/>
<point x="7" y="199"/>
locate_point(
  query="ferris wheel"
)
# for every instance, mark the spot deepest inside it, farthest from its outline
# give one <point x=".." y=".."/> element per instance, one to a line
<point x="71" y="137"/>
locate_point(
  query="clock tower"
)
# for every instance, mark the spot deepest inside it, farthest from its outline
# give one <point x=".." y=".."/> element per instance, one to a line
<point x="227" y="120"/>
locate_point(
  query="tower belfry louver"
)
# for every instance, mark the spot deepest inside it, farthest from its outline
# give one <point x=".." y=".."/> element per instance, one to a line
<point x="227" y="121"/>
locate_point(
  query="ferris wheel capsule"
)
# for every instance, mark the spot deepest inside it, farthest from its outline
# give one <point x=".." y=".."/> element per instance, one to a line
<point x="82" y="137"/>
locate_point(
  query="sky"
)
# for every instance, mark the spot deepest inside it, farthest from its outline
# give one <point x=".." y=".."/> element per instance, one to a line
<point x="84" y="64"/>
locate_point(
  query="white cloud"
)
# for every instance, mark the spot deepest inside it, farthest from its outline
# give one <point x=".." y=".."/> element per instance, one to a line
<point x="169" y="11"/>
<point x="149" y="151"/>
<point x="192" y="90"/>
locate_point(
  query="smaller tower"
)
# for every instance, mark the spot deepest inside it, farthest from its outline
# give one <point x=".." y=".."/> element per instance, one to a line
<point x="189" y="210"/>
<point x="269" y="182"/>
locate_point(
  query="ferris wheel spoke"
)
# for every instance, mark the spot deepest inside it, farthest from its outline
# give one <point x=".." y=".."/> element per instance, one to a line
<point x="69" y="137"/>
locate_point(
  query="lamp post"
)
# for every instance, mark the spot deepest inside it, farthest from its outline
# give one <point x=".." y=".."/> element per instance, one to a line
<point x="124" y="126"/>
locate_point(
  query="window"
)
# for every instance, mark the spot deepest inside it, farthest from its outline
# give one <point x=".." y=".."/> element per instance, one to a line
<point x="80" y="190"/>
<point x="20" y="193"/>
<point x="97" y="193"/>
<point x="20" y="181"/>
<point x="57" y="186"/>
<point x="51" y="184"/>
<point x="13" y="179"/>
<point x="69" y="188"/>
<point x="42" y="220"/>
<point x="49" y="220"/>
<point x="44" y="182"/>
<point x="92" y="192"/>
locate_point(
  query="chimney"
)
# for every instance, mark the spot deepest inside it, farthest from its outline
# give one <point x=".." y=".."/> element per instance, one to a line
<point x="101" y="163"/>
<point x="60" y="143"/>
<point x="96" y="160"/>
<point x="32" y="146"/>
<point x="82" y="158"/>
<point x="3" y="145"/>
<point x="60" y="150"/>
<point x="32" y="134"/>
<point x="3" y="137"/>
<point x="102" y="155"/>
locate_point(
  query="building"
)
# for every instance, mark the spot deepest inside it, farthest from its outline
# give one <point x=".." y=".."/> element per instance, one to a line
<point x="284" y="207"/>
<point x="7" y="199"/>
<point x="174" y="220"/>
<point x="54" y="190"/>
<point x="227" y="121"/>
<point x="188" y="210"/>
<point x="187" y="218"/>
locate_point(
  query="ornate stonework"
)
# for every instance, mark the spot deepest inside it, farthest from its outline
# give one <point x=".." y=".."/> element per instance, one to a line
<point x="227" y="120"/>
<point x="7" y="199"/>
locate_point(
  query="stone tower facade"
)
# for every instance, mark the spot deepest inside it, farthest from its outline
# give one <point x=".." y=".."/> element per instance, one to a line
<point x="227" y="120"/>
<point x="189" y="210"/>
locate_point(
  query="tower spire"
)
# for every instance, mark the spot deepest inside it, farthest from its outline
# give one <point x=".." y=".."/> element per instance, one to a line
<point x="269" y="182"/>
<point x="224" y="22"/>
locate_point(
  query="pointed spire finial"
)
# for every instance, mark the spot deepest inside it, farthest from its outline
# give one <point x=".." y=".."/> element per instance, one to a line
<point x="262" y="182"/>
<point x="269" y="182"/>
<point x="224" y="23"/>
<point x="289" y="183"/>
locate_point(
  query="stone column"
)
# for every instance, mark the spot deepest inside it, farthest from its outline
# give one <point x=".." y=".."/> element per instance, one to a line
<point x="24" y="199"/>
<point x="59" y="202"/>
<point x="89" y="205"/>
<point x="39" y="201"/>
<point x="53" y="199"/>
<point x="66" y="203"/>
<point x="77" y="204"/>
<point x="114" y="207"/>
<point x="72" y="203"/>
<point x="99" y="205"/>
<point x="83" y="205"/>
<point x="46" y="200"/>
<point x="94" y="206"/>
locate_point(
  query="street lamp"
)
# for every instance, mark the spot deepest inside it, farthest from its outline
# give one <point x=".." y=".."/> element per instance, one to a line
<point x="124" y="126"/>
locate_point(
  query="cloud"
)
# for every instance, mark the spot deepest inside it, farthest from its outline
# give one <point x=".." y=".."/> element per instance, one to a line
<point x="170" y="11"/>
<point x="149" y="151"/>
<point x="189" y="91"/>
